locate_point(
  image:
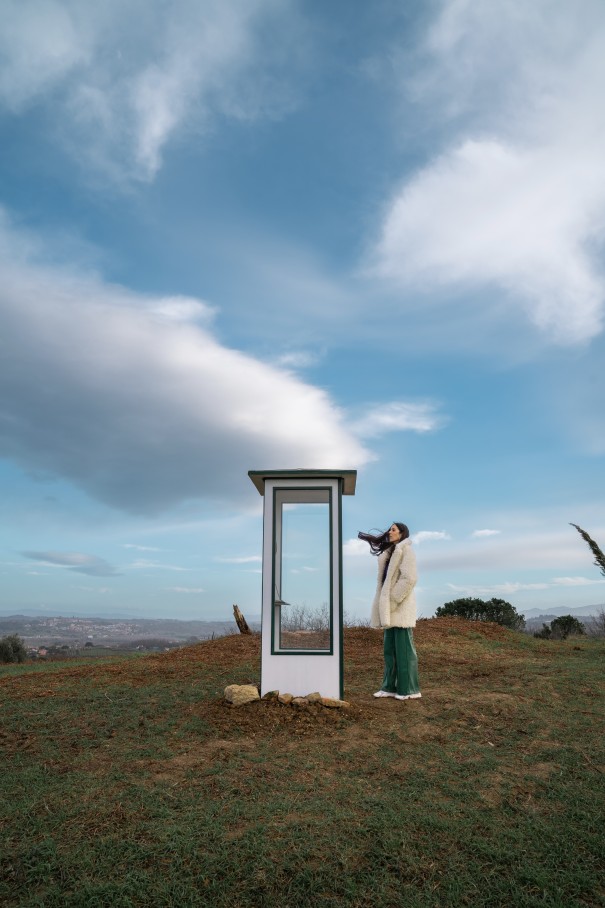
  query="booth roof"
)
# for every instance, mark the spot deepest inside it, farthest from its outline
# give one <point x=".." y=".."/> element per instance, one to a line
<point x="349" y="477"/>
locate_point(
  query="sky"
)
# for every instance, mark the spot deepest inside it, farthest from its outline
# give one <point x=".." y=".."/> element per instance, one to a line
<point x="269" y="234"/>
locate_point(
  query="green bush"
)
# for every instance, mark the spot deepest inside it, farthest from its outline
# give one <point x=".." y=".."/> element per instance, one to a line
<point x="561" y="628"/>
<point x="545" y="633"/>
<point x="12" y="649"/>
<point x="474" y="609"/>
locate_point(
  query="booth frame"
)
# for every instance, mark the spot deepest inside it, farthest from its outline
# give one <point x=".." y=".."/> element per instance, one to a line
<point x="302" y="671"/>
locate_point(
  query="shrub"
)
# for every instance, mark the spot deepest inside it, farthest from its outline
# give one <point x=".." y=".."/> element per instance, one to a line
<point x="561" y="628"/>
<point x="545" y="633"/>
<point x="12" y="649"/>
<point x="474" y="609"/>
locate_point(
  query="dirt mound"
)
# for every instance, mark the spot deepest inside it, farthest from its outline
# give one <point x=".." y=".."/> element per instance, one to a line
<point x="361" y="645"/>
<point x="177" y="665"/>
<point x="428" y="632"/>
<point x="222" y="650"/>
<point x="238" y="647"/>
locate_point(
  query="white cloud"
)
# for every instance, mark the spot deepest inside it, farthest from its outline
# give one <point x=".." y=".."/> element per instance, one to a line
<point x="182" y="309"/>
<point x="41" y="42"/>
<point x="143" y="564"/>
<point x="124" y="79"/>
<point x="353" y="548"/>
<point x="145" y="414"/>
<point x="429" y="535"/>
<point x="78" y="562"/>
<point x="480" y="534"/>
<point x="141" y="548"/>
<point x="511" y="587"/>
<point x="297" y="359"/>
<point x="537" y="549"/>
<point x="575" y="581"/>
<point x="397" y="416"/>
<point x="497" y="589"/>
<point x="514" y="205"/>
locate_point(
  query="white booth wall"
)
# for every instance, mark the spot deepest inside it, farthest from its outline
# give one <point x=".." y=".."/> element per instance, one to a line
<point x="301" y="672"/>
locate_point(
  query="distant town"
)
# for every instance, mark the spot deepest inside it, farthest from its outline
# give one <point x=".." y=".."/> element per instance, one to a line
<point x="52" y="637"/>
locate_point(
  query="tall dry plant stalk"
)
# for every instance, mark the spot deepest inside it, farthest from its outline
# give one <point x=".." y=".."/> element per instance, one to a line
<point x="596" y="551"/>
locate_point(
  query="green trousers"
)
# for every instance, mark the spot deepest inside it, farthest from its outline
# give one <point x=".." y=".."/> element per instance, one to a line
<point x="400" y="661"/>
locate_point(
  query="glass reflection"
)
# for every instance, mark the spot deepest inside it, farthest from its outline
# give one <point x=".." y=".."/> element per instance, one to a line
<point x="302" y="574"/>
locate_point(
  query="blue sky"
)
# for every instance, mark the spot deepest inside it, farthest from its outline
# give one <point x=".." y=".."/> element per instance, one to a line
<point x="275" y="234"/>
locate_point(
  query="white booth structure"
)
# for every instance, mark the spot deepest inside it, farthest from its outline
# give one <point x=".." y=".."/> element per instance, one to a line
<point x="301" y="631"/>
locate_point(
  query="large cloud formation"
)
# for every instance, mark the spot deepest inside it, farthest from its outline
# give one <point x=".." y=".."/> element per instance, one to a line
<point x="125" y="77"/>
<point x="134" y="400"/>
<point x="514" y="203"/>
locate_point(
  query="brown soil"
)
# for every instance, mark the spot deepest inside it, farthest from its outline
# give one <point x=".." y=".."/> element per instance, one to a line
<point x="305" y="640"/>
<point x="472" y="689"/>
<point x="235" y="659"/>
<point x="360" y="644"/>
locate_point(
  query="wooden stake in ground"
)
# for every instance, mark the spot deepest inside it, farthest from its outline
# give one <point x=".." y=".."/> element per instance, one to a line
<point x="240" y="621"/>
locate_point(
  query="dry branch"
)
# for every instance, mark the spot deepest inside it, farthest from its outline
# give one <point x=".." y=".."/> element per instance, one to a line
<point x="240" y="620"/>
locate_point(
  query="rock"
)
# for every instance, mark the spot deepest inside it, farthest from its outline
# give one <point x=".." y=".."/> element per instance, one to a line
<point x="286" y="699"/>
<point x="240" y="694"/>
<point x="271" y="695"/>
<point x="300" y="702"/>
<point x="334" y="704"/>
<point x="314" y="698"/>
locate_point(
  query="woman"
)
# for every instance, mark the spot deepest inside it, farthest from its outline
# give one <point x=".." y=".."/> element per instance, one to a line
<point x="394" y="609"/>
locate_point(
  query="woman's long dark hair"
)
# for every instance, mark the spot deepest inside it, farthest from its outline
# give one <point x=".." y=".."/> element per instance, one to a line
<point x="379" y="542"/>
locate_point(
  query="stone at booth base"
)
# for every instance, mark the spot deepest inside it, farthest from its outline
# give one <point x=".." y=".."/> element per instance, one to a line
<point x="271" y="695"/>
<point x="311" y="700"/>
<point x="240" y="694"/>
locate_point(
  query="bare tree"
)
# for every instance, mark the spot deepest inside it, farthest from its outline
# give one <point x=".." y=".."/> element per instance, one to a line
<point x="595" y="625"/>
<point x="300" y="617"/>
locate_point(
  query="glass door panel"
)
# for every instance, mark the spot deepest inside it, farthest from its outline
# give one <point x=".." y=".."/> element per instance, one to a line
<point x="302" y="571"/>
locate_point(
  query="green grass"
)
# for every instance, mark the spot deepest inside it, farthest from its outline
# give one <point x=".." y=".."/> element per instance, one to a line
<point x="132" y="784"/>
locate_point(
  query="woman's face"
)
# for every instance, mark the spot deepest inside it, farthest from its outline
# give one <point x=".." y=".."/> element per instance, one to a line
<point x="394" y="534"/>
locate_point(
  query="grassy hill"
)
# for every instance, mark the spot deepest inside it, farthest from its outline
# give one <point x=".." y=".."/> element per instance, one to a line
<point x="131" y="783"/>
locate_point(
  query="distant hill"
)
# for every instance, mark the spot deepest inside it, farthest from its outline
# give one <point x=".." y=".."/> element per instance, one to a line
<point x="76" y="631"/>
<point x="535" y="618"/>
<point x="582" y="611"/>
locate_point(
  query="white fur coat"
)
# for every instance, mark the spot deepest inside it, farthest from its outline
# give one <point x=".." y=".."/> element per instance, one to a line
<point x="394" y="604"/>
